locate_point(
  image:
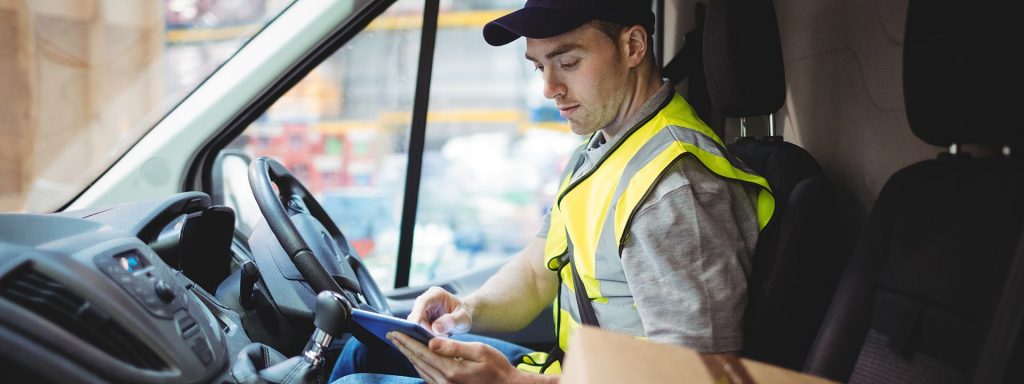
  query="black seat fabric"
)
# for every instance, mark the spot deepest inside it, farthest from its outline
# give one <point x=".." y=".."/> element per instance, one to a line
<point x="918" y="295"/>
<point x="796" y="263"/>
<point x="917" y="299"/>
<point x="743" y="57"/>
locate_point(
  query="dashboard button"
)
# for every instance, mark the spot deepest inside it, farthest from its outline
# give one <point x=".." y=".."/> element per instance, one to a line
<point x="137" y="288"/>
<point x="164" y="291"/>
<point x="202" y="350"/>
<point x="188" y="326"/>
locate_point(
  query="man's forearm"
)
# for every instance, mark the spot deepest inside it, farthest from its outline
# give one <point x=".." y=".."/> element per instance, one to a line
<point x="513" y="297"/>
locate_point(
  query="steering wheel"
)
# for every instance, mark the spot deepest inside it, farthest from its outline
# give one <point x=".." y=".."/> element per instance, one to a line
<point x="313" y="242"/>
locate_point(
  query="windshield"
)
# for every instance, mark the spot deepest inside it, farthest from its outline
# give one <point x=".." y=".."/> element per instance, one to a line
<point x="83" y="81"/>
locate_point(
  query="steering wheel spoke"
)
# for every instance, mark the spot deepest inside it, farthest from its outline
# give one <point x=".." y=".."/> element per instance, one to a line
<point x="313" y="243"/>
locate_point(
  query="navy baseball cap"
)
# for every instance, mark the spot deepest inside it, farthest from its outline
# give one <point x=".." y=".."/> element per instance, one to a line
<point x="540" y="19"/>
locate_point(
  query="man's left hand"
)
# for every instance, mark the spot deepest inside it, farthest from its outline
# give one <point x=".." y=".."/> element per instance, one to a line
<point x="448" y="361"/>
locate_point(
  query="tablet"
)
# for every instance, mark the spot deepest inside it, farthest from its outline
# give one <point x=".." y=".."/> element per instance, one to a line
<point x="379" y="325"/>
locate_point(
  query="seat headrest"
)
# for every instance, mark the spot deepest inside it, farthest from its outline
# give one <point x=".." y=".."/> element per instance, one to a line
<point x="743" y="57"/>
<point x="958" y="62"/>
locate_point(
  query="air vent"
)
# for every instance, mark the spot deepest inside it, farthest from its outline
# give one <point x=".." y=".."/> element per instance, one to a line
<point x="51" y="300"/>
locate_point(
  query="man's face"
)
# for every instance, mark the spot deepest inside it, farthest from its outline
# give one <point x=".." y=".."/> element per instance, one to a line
<point x="585" y="74"/>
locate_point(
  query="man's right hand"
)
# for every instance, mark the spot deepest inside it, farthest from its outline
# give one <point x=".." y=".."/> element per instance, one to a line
<point x="441" y="312"/>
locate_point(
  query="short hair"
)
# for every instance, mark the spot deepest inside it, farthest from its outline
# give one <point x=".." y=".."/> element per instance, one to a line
<point x="613" y="30"/>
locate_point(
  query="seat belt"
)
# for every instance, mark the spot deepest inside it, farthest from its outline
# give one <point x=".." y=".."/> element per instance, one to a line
<point x="583" y="304"/>
<point x="587" y="314"/>
<point x="586" y="308"/>
<point x="1002" y="336"/>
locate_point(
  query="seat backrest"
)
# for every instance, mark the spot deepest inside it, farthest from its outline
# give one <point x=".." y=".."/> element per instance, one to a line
<point x="916" y="301"/>
<point x="796" y="263"/>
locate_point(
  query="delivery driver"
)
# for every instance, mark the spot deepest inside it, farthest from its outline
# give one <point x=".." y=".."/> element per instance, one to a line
<point x="652" y="230"/>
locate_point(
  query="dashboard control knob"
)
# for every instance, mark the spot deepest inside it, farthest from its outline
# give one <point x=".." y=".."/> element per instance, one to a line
<point x="164" y="291"/>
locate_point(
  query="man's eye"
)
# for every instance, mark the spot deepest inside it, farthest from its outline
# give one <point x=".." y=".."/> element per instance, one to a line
<point x="568" y="66"/>
<point x="538" y="67"/>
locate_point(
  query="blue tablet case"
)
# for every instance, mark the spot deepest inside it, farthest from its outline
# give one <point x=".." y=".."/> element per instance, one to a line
<point x="379" y="325"/>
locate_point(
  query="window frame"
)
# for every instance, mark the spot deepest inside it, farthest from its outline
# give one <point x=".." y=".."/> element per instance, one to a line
<point x="199" y="175"/>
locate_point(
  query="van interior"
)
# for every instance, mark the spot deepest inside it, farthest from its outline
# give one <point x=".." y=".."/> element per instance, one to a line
<point x="372" y="149"/>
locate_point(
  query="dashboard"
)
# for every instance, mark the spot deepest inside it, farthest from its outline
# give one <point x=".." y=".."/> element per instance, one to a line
<point x="105" y="295"/>
<point x="149" y="292"/>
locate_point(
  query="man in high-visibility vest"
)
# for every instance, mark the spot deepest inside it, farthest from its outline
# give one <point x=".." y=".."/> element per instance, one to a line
<point x="653" y="227"/>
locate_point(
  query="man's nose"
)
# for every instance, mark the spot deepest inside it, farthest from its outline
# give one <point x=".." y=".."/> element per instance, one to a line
<point x="553" y="86"/>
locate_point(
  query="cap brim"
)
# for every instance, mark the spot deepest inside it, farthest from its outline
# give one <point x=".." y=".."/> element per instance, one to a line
<point x="533" y="22"/>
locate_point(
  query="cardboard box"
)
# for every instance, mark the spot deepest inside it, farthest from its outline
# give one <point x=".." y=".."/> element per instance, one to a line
<point x="596" y="356"/>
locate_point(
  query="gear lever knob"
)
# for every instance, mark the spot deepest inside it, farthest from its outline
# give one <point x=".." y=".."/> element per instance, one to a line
<point x="332" y="311"/>
<point x="331" y="314"/>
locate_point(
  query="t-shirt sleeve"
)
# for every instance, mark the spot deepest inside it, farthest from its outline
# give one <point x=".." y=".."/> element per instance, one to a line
<point x="545" y="224"/>
<point x="687" y="258"/>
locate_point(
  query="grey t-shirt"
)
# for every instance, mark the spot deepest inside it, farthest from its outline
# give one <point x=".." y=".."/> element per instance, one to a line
<point x="688" y="253"/>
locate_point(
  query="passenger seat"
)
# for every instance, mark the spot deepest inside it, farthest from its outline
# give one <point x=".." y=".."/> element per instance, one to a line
<point x="918" y="299"/>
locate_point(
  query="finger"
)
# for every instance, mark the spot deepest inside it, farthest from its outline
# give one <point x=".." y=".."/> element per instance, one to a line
<point x="451" y="324"/>
<point x="424" y="305"/>
<point x="425" y="362"/>
<point x="426" y="378"/>
<point x="455" y="349"/>
<point x="419" y="353"/>
<point x="416" y="314"/>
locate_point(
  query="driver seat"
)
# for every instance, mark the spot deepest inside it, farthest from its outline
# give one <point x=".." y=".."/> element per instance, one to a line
<point x="796" y="262"/>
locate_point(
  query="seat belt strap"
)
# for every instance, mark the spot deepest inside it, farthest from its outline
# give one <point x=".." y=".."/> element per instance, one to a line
<point x="586" y="308"/>
<point x="583" y="304"/>
<point x="1002" y="336"/>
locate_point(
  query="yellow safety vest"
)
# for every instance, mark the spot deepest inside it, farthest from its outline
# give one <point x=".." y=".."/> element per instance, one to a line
<point x="591" y="215"/>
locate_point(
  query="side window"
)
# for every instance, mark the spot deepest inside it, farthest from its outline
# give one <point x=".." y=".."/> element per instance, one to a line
<point x="494" y="146"/>
<point x="494" y="149"/>
<point x="344" y="130"/>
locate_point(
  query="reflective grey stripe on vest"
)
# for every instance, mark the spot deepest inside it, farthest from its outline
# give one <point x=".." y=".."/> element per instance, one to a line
<point x="610" y="268"/>
<point x="619" y="313"/>
<point x="658" y="143"/>
<point x="567" y="297"/>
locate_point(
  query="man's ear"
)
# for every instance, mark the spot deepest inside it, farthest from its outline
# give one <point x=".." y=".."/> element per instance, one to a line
<point x="636" y="45"/>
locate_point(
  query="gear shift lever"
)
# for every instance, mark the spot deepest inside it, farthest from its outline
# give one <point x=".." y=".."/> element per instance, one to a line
<point x="259" y="364"/>
<point x="332" y="311"/>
